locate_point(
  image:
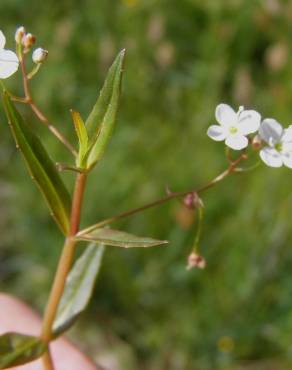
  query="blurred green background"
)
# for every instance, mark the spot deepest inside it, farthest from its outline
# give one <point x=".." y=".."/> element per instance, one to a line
<point x="183" y="58"/>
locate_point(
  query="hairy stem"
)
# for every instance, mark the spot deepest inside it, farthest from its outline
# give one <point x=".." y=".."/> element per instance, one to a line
<point x="220" y="177"/>
<point x="29" y="100"/>
<point x="63" y="268"/>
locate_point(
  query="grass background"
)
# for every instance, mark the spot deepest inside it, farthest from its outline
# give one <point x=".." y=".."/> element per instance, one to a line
<point x="183" y="58"/>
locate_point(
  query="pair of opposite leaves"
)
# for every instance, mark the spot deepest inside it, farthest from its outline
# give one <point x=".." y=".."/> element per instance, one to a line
<point x="93" y="138"/>
<point x="17" y="349"/>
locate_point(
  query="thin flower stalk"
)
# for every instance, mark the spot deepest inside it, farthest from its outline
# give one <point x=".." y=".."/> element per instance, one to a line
<point x="220" y="177"/>
<point x="41" y="116"/>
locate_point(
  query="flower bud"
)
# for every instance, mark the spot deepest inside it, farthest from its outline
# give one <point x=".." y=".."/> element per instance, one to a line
<point x="39" y="55"/>
<point x="195" y="260"/>
<point x="193" y="201"/>
<point x="19" y="34"/>
<point x="28" y="40"/>
<point x="256" y="142"/>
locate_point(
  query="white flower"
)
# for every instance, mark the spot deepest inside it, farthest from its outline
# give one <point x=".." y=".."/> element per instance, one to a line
<point x="234" y="127"/>
<point x="279" y="143"/>
<point x="39" y="55"/>
<point x="8" y="60"/>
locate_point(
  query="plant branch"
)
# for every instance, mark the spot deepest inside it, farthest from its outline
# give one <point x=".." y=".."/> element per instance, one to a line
<point x="220" y="177"/>
<point x="64" y="266"/>
<point x="29" y="100"/>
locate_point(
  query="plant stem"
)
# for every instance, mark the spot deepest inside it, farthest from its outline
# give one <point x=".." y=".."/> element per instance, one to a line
<point x="58" y="287"/>
<point x="77" y="202"/>
<point x="63" y="268"/>
<point x="228" y="171"/>
<point x="48" y="361"/>
<point x="29" y="100"/>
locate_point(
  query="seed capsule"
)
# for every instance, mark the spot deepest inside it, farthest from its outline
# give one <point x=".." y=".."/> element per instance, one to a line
<point x="39" y="55"/>
<point x="196" y="260"/>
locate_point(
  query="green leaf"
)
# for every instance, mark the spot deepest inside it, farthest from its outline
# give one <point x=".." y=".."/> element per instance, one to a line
<point x="78" y="289"/>
<point x="101" y="120"/>
<point x="18" y="349"/>
<point x="40" y="166"/>
<point x="82" y="136"/>
<point x="118" y="238"/>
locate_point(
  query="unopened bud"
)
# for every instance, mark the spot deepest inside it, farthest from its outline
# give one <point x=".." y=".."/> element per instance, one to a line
<point x="195" y="260"/>
<point x="256" y="142"/>
<point x="28" y="40"/>
<point x="193" y="201"/>
<point x="19" y="34"/>
<point x="39" y="55"/>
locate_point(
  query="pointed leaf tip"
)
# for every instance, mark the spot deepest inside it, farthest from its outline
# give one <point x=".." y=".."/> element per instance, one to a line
<point x="119" y="238"/>
<point x="82" y="135"/>
<point x="101" y="120"/>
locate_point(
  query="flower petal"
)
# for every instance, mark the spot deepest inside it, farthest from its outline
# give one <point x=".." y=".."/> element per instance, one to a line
<point x="225" y="115"/>
<point x="271" y="157"/>
<point x="217" y="133"/>
<point x="8" y="63"/>
<point x="2" y="40"/>
<point x="286" y="147"/>
<point x="287" y="136"/>
<point x="270" y="129"/>
<point x="236" y="141"/>
<point x="249" y="122"/>
<point x="287" y="159"/>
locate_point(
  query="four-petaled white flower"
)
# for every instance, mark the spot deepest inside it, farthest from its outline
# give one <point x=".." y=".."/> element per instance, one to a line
<point x="8" y="60"/>
<point x="234" y="127"/>
<point x="278" y="150"/>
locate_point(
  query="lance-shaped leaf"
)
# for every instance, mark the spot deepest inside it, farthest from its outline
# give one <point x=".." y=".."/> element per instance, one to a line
<point x="82" y="136"/>
<point x="40" y="166"/>
<point x="18" y="349"/>
<point x="118" y="238"/>
<point x="79" y="287"/>
<point x="101" y="120"/>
